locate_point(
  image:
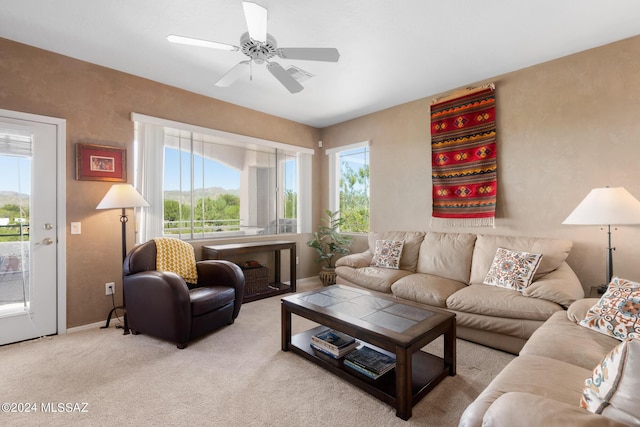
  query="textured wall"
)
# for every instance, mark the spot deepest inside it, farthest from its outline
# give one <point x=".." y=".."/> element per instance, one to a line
<point x="564" y="127"/>
<point x="97" y="103"/>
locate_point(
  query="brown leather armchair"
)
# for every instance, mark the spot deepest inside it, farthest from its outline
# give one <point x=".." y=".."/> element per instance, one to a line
<point x="160" y="303"/>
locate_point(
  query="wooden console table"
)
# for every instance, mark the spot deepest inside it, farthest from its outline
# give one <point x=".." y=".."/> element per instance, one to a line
<point x="238" y="249"/>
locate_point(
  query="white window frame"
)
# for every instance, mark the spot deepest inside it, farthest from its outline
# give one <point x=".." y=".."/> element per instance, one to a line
<point x="149" y="188"/>
<point x="334" y="171"/>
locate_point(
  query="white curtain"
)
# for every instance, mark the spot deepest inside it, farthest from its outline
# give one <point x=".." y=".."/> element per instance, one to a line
<point x="149" y="161"/>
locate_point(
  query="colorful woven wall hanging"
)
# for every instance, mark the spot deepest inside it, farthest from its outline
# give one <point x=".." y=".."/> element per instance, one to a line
<point x="463" y="155"/>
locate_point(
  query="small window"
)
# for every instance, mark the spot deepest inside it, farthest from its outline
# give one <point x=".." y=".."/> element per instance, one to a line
<point x="349" y="174"/>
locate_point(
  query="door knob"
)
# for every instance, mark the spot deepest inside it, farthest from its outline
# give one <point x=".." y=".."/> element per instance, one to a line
<point x="46" y="241"/>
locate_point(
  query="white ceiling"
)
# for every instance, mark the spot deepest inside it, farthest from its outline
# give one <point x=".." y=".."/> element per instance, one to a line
<point x="391" y="52"/>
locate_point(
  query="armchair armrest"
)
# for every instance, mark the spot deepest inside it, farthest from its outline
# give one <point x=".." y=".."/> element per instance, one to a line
<point x="222" y="273"/>
<point x="159" y="301"/>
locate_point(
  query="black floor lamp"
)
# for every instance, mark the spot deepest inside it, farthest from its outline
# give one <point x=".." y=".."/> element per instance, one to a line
<point x="122" y="196"/>
<point x="606" y="207"/>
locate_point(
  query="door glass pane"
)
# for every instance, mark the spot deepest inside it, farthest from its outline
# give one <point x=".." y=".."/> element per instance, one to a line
<point x="15" y="189"/>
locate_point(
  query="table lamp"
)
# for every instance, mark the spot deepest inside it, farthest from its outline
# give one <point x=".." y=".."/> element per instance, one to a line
<point x="606" y="207"/>
<point x="122" y="196"/>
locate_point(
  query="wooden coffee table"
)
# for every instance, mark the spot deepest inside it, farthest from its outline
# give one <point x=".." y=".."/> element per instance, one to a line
<point x="396" y="327"/>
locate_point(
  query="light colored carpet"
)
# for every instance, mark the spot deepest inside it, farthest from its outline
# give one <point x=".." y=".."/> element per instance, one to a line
<point x="237" y="376"/>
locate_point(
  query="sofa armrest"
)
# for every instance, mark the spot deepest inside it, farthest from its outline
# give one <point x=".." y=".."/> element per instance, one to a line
<point x="577" y="311"/>
<point x="360" y="260"/>
<point x="526" y="409"/>
<point x="561" y="286"/>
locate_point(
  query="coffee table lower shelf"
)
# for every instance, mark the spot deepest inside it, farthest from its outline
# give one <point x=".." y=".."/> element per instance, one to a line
<point x="427" y="370"/>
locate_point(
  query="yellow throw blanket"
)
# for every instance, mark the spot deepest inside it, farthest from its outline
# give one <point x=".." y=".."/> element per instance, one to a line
<point x="176" y="256"/>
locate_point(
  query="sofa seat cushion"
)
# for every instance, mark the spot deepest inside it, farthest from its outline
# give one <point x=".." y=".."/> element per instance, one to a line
<point x="500" y="302"/>
<point x="535" y="375"/>
<point x="410" y="248"/>
<point x="375" y="278"/>
<point x="426" y="289"/>
<point x="554" y="253"/>
<point x="560" y="336"/>
<point x="518" y="328"/>
<point x="447" y="255"/>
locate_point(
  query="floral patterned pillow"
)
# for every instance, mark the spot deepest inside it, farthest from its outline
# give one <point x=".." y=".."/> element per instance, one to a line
<point x="617" y="313"/>
<point x="387" y="253"/>
<point x="612" y="390"/>
<point x="512" y="269"/>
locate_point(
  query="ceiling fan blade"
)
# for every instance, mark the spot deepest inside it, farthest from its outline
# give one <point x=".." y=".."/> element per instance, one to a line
<point x="202" y="43"/>
<point x="233" y="74"/>
<point x="284" y="77"/>
<point x="329" y="54"/>
<point x="256" y="17"/>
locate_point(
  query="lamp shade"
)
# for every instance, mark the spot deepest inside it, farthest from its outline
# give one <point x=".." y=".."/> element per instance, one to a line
<point x="122" y="196"/>
<point x="606" y="206"/>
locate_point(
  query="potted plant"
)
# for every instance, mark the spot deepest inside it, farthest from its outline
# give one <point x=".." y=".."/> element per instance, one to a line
<point x="329" y="242"/>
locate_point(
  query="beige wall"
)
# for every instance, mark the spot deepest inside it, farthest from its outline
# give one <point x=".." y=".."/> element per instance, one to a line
<point x="564" y="127"/>
<point x="97" y="103"/>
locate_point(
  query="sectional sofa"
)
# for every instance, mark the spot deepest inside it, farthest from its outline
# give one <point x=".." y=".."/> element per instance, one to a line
<point x="447" y="270"/>
<point x="570" y="372"/>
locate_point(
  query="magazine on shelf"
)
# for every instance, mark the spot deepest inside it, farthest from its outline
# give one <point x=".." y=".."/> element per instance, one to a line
<point x="363" y="371"/>
<point x="332" y="340"/>
<point x="370" y="362"/>
<point x="336" y="354"/>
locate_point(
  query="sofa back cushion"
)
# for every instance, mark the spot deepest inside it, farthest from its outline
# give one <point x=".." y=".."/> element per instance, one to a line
<point x="447" y="255"/>
<point x="412" y="241"/>
<point x="554" y="253"/>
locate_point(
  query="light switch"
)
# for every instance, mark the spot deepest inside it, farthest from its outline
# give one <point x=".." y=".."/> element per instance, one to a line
<point x="76" y="228"/>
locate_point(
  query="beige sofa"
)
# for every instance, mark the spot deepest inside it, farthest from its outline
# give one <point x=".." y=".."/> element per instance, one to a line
<point x="543" y="386"/>
<point x="446" y="270"/>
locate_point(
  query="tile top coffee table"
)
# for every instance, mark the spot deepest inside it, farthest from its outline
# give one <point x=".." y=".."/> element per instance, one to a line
<point x="399" y="328"/>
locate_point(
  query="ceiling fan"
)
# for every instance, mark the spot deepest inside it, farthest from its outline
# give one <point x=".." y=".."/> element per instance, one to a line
<point x="260" y="47"/>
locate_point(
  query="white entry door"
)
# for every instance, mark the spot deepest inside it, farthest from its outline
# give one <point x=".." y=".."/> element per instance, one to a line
<point x="28" y="228"/>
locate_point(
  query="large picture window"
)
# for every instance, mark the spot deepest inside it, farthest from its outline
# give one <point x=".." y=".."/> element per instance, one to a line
<point x="203" y="183"/>
<point x="349" y="189"/>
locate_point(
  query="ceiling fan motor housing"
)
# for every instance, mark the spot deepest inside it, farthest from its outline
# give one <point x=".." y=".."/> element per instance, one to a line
<point x="257" y="51"/>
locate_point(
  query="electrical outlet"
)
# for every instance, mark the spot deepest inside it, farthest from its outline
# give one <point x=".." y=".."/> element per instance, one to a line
<point x="109" y="288"/>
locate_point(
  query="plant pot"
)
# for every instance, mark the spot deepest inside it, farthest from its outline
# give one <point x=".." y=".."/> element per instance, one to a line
<point x="328" y="276"/>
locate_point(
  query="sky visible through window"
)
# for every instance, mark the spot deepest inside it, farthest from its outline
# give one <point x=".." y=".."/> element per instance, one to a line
<point x="216" y="174"/>
<point x="14" y="174"/>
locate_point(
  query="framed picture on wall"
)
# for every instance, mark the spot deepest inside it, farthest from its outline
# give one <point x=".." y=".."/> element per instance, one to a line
<point x="101" y="163"/>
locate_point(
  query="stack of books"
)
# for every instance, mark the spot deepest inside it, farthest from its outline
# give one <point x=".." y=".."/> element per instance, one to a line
<point x="333" y="343"/>
<point x="369" y="362"/>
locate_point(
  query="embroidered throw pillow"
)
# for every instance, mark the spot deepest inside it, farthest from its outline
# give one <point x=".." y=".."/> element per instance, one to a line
<point x="512" y="269"/>
<point x="612" y="390"/>
<point x="387" y="253"/>
<point x="617" y="313"/>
